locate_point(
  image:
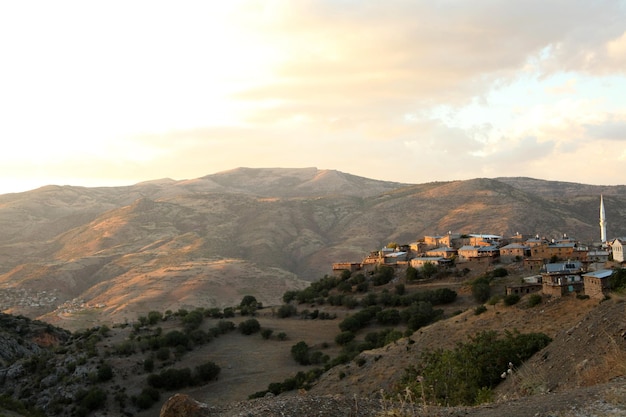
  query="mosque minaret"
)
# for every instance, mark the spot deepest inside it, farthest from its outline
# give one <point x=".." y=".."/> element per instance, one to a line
<point x="602" y="221"/>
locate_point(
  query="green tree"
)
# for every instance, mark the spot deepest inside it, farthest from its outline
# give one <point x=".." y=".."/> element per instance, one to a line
<point x="207" y="371"/>
<point x="344" y="338"/>
<point x="429" y="269"/>
<point x="301" y="353"/>
<point x="249" y="326"/>
<point x="412" y="274"/>
<point x="154" y="317"/>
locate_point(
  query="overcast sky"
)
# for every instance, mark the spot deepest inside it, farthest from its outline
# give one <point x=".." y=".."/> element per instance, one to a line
<point x="118" y="92"/>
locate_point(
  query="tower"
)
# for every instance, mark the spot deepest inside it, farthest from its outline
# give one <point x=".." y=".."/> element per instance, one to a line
<point x="602" y="222"/>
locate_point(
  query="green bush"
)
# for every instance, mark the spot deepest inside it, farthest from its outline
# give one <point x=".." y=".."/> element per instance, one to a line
<point x="266" y="333"/>
<point x="147" y="398"/>
<point x="344" y="338"/>
<point x="480" y="310"/>
<point x="207" y="371"/>
<point x="534" y="299"/>
<point x="511" y="299"/>
<point x="301" y="353"/>
<point x="461" y="376"/>
<point x="249" y="326"/>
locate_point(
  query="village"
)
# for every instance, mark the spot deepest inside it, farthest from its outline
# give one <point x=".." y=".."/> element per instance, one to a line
<point x="555" y="267"/>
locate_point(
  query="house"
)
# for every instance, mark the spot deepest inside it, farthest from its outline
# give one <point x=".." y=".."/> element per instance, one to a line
<point x="553" y="249"/>
<point x="484" y="240"/>
<point x="536" y="241"/>
<point x="395" y="257"/>
<point x="442" y="252"/>
<point x="525" y="288"/>
<point x="469" y="253"/>
<point x="617" y="246"/>
<point x="514" y="252"/>
<point x="420" y="261"/>
<point x="597" y="283"/>
<point x="562" y="278"/>
<point x="339" y="267"/>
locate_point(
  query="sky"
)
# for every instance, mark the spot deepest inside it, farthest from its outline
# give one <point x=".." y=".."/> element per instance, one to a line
<point x="108" y="93"/>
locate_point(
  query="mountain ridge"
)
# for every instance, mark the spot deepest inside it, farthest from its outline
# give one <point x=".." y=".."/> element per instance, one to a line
<point x="288" y="225"/>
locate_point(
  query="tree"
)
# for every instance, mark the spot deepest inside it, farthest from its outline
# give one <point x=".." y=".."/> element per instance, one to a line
<point x="411" y="274"/>
<point x="248" y="305"/>
<point x="249" y="326"/>
<point x="344" y="338"/>
<point x="301" y="353"/>
<point x="207" y="371"/>
<point x="429" y="269"/>
<point x="481" y="289"/>
<point x="154" y="317"/>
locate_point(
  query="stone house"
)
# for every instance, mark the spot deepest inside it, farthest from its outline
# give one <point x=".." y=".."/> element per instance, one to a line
<point x="617" y="246"/>
<point x="513" y="252"/>
<point x="442" y="252"/>
<point x="469" y="253"/>
<point x="567" y="250"/>
<point x="560" y="279"/>
<point x="597" y="283"/>
<point x="421" y="260"/>
<point x="339" y="267"/>
<point x="522" y="289"/>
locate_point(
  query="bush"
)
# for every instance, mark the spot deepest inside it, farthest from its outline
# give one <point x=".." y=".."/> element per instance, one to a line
<point x="534" y="299"/>
<point x="207" y="372"/>
<point x="463" y="375"/>
<point x="300" y="352"/>
<point x="147" y="398"/>
<point x="266" y="333"/>
<point x="481" y="289"/>
<point x="511" y="299"/>
<point x="249" y="326"/>
<point x="105" y="372"/>
<point x="91" y="400"/>
<point x="286" y="310"/>
<point x="480" y="310"/>
<point x="344" y="338"/>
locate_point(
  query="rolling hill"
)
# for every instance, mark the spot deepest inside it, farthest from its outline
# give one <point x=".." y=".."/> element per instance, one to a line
<point x="113" y="253"/>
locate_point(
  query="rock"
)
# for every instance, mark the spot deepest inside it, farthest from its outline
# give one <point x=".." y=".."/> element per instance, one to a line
<point x="181" y="405"/>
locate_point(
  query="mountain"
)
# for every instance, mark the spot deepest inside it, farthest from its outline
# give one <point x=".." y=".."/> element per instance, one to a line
<point x="117" y="252"/>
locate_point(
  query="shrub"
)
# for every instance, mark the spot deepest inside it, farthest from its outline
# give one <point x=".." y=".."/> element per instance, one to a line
<point x="511" y="299"/>
<point x="499" y="272"/>
<point x="480" y="310"/>
<point x="534" y="299"/>
<point x="300" y="352"/>
<point x="481" y="289"/>
<point x="91" y="400"/>
<point x="266" y="333"/>
<point x="154" y="317"/>
<point x="344" y="338"/>
<point x="281" y="336"/>
<point x="147" y="398"/>
<point x="249" y="326"/>
<point x="286" y="310"/>
<point x="463" y="375"/>
<point x="207" y="371"/>
<point x="105" y="372"/>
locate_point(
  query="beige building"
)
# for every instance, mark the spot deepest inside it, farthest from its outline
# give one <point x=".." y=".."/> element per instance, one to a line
<point x="617" y="246"/>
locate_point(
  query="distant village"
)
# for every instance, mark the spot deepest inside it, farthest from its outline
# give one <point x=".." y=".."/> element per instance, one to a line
<point x="555" y="267"/>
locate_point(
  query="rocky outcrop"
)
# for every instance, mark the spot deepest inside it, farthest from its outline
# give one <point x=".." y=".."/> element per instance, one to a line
<point x="181" y="405"/>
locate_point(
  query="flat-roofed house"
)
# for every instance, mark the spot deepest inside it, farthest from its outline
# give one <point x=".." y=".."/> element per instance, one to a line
<point x="617" y="247"/>
<point x="514" y="252"/>
<point x="597" y="283"/>
<point x="562" y="278"/>
<point x="443" y="252"/>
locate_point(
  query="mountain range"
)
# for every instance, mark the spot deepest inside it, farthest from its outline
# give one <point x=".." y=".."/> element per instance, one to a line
<point x="75" y="255"/>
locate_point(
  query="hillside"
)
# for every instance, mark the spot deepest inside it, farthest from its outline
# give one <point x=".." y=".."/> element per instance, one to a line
<point x="112" y="253"/>
<point x="579" y="373"/>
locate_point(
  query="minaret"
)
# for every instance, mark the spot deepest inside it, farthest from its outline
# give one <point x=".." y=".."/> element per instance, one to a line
<point x="602" y="222"/>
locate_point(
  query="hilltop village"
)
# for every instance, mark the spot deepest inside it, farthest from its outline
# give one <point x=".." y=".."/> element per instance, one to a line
<point x="554" y="267"/>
